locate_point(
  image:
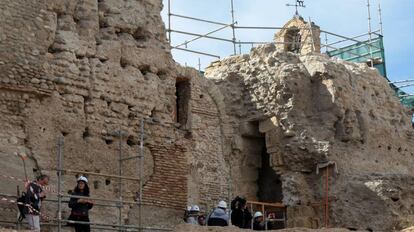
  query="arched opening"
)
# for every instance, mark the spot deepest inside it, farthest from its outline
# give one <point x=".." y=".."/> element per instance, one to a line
<point x="293" y="40"/>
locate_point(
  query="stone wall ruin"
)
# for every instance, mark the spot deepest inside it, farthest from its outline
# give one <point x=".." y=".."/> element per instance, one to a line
<point x="85" y="69"/>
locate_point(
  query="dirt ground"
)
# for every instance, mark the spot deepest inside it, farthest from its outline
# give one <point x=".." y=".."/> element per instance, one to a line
<point x="193" y="228"/>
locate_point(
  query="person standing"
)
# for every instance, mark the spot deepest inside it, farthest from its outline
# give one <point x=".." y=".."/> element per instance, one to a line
<point x="34" y="197"/>
<point x="240" y="215"/>
<point x="80" y="206"/>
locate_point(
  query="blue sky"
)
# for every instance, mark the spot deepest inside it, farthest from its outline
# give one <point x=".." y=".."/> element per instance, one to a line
<point x="345" y="17"/>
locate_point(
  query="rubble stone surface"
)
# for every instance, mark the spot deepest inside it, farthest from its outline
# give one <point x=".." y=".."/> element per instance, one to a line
<point x="89" y="71"/>
<point x="313" y="110"/>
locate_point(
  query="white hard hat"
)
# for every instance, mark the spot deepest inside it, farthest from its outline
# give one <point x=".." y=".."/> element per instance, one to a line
<point x="195" y="208"/>
<point x="257" y="214"/>
<point x="222" y="204"/>
<point x="82" y="178"/>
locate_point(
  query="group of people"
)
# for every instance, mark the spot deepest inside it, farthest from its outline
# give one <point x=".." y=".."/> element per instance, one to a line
<point x="239" y="214"/>
<point x="79" y="203"/>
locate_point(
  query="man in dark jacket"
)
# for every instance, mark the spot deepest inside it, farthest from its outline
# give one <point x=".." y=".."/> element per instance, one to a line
<point x="240" y="215"/>
<point x="34" y="198"/>
<point x="219" y="216"/>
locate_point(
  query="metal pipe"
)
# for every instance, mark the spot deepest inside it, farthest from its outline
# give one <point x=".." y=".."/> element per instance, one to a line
<point x="209" y="37"/>
<point x="259" y="42"/>
<point x="404" y="86"/>
<point x="357" y="55"/>
<point x="80" y="197"/>
<point x="232" y="26"/>
<point x="198" y="19"/>
<point x="402" y="81"/>
<point x="204" y="35"/>
<point x="100" y="199"/>
<point x="100" y="174"/>
<point x="59" y="173"/>
<point x="311" y="32"/>
<point x="326" y="42"/>
<point x="169" y="21"/>
<point x="359" y="46"/>
<point x="141" y="167"/>
<point x="354" y="37"/>
<point x="120" y="205"/>
<point x="197" y="52"/>
<point x="267" y="28"/>
<point x="369" y="31"/>
<point x="344" y="37"/>
<point x="380" y="18"/>
<point x="253" y="27"/>
<point x="407" y="95"/>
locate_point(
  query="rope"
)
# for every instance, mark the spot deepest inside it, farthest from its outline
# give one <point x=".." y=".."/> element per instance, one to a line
<point x="26" y="183"/>
<point x="31" y="209"/>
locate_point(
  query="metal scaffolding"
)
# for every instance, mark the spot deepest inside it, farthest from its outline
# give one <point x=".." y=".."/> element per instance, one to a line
<point x="62" y="198"/>
<point x="334" y="38"/>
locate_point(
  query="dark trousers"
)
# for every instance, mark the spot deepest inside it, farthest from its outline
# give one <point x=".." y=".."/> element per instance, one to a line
<point x="80" y="227"/>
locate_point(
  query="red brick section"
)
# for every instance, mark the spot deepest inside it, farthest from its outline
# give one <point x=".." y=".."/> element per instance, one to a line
<point x="167" y="187"/>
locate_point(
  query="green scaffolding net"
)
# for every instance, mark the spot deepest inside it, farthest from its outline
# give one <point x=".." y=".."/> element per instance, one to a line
<point x="361" y="52"/>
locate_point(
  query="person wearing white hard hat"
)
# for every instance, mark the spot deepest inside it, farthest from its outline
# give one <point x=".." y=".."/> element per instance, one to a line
<point x="80" y="206"/>
<point x="259" y="223"/>
<point x="219" y="216"/>
<point x="193" y="215"/>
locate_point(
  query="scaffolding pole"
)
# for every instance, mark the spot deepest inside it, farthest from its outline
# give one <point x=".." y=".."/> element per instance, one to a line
<point x="120" y="204"/>
<point x="201" y="35"/>
<point x="351" y="39"/>
<point x="370" y="32"/>
<point x="401" y="81"/>
<point x="198" y="52"/>
<point x="354" y="37"/>
<point x="311" y="32"/>
<point x="141" y="167"/>
<point x="198" y="19"/>
<point x="99" y="174"/>
<point x="380" y="18"/>
<point x="233" y="22"/>
<point x="204" y="35"/>
<point x="59" y="173"/>
<point x="169" y="21"/>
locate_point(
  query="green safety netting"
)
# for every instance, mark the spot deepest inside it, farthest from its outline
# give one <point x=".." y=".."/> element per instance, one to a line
<point x="360" y="52"/>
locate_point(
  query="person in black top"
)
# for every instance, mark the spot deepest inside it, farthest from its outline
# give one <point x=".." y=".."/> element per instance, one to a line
<point x="34" y="197"/>
<point x="80" y="207"/>
<point x="240" y="215"/>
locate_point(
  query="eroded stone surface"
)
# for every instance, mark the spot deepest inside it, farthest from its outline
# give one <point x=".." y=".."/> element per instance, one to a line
<point x="83" y="70"/>
<point x="312" y="110"/>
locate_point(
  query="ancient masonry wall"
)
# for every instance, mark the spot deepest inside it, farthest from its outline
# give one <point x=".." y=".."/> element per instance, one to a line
<point x="313" y="109"/>
<point x="85" y="70"/>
